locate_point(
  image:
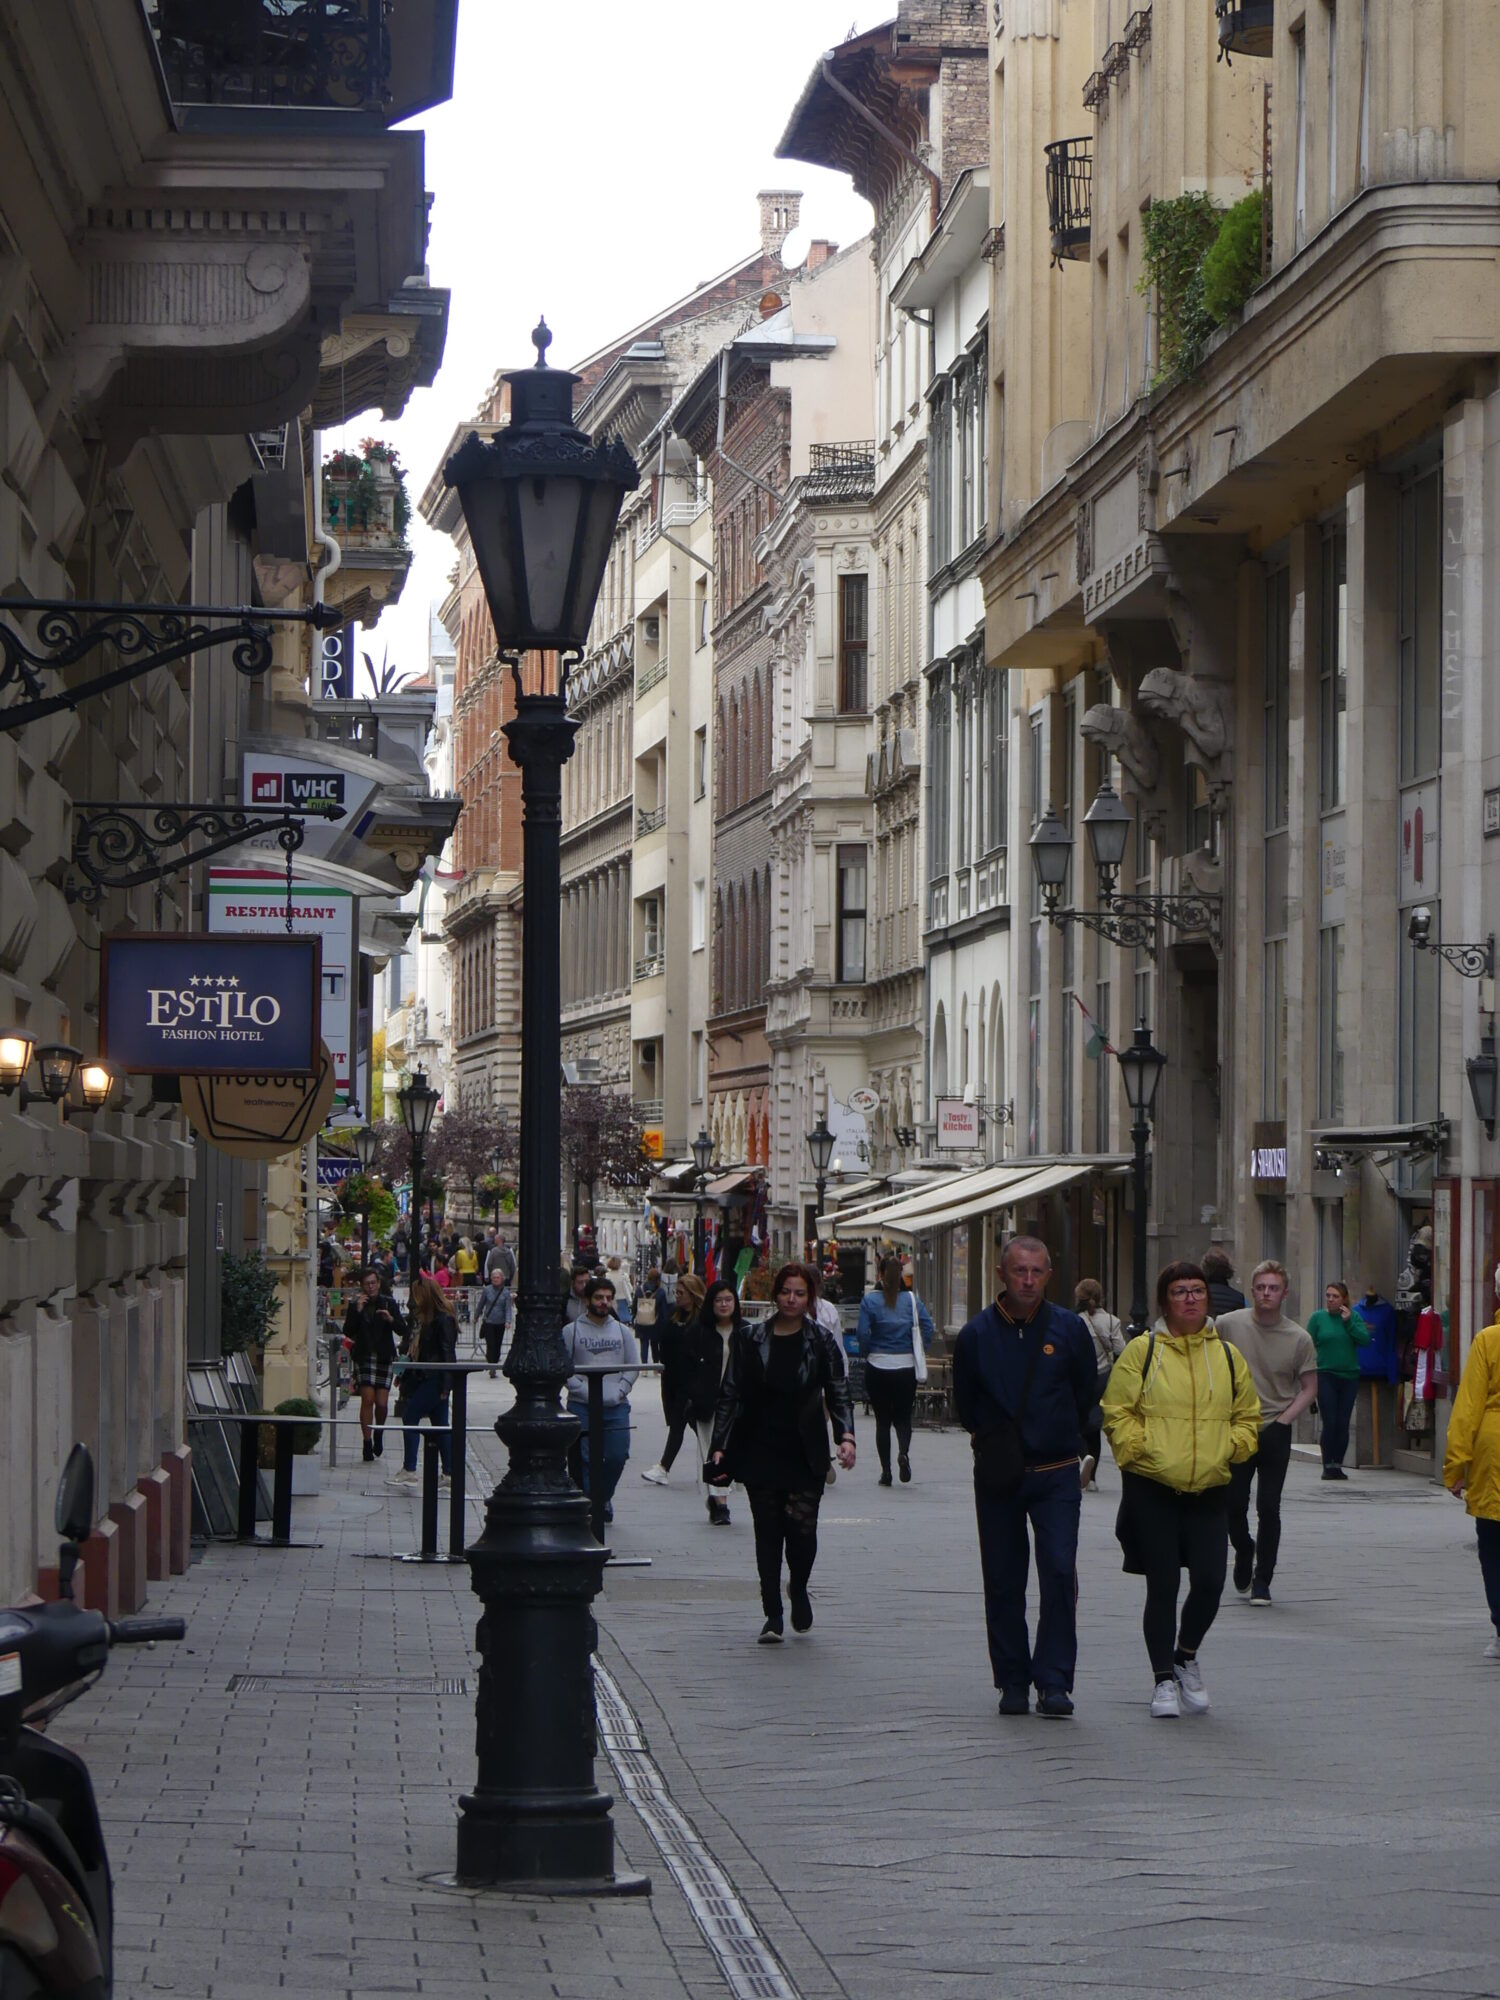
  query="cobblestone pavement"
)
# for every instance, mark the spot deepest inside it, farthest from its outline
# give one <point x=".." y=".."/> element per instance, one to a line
<point x="846" y="1814"/>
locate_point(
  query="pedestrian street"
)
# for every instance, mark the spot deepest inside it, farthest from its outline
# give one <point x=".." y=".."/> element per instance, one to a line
<point x="852" y="1799"/>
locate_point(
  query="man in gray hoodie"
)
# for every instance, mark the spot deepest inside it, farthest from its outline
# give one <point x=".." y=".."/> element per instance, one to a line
<point x="596" y="1339"/>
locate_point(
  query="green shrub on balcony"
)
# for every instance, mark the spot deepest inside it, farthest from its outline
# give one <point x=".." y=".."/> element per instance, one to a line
<point x="1202" y="262"/>
<point x="355" y="486"/>
<point x="1231" y="263"/>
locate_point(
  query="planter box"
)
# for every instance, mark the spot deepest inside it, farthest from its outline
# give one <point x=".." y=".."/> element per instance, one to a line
<point x="307" y="1471"/>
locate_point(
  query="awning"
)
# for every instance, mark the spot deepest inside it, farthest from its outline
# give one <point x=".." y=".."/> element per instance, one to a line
<point x="675" y="1174"/>
<point x="726" y="1184"/>
<point x="857" y="1192"/>
<point x="1417" y="1141"/>
<point x="979" y="1193"/>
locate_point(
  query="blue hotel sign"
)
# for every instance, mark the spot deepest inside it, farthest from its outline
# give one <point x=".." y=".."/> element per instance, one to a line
<point x="179" y="1003"/>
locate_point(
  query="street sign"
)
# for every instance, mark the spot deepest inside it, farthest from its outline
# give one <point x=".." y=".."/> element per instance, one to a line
<point x="178" y="1003"/>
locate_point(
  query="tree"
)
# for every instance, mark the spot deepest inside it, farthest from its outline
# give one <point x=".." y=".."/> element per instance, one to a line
<point x="602" y="1139"/>
<point x="465" y="1139"/>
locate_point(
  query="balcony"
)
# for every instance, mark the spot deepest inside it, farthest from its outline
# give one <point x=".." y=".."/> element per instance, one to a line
<point x="366" y="510"/>
<point x="650" y="674"/>
<point x="1246" y="27"/>
<point x="1070" y="174"/>
<point x="841" y="469"/>
<point x="304" y="64"/>
<point x="648" y="1110"/>
<point x="649" y="819"/>
<point x="651" y="966"/>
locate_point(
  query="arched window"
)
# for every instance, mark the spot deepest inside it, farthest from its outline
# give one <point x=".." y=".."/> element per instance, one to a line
<point x="963" y="1044"/>
<point x="718" y="959"/>
<point x="752" y="940"/>
<point x="721" y="796"/>
<point x="766" y="927"/>
<point x="756" y="774"/>
<point x="731" y="950"/>
<point x="733" y="750"/>
<point x="940" y="1052"/>
<point x="999" y="1086"/>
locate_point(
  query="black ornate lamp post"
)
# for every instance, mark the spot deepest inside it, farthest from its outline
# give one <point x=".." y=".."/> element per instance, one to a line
<point x="1134" y="922"/>
<point x="366" y="1146"/>
<point x="1141" y="1066"/>
<point x="703" y="1152"/>
<point x="820" y="1145"/>
<point x="541" y="502"/>
<point x="417" y="1101"/>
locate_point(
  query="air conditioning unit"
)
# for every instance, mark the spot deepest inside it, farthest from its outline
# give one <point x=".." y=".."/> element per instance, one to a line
<point x="653" y="631"/>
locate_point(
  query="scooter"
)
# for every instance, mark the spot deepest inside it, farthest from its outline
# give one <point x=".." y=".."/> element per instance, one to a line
<point x="56" y="1905"/>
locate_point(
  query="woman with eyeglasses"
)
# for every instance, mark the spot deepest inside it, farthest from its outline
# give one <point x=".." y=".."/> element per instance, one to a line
<point x="1180" y="1410"/>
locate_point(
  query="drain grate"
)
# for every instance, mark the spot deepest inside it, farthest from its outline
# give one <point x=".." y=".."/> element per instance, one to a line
<point x="750" y="1967"/>
<point x="291" y="1683"/>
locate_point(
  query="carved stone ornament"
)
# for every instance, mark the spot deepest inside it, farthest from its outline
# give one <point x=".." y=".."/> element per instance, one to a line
<point x="1202" y="710"/>
<point x="1147" y="479"/>
<point x="1125" y="737"/>
<point x="1084" y="563"/>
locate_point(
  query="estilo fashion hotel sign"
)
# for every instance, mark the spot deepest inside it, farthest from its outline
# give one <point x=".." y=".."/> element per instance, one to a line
<point x="181" y="1004"/>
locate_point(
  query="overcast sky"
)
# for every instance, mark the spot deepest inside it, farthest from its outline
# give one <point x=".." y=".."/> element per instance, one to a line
<point x="595" y="163"/>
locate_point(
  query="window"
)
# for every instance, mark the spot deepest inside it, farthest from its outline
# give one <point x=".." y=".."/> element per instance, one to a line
<point x="700" y="622"/>
<point x="854" y="644"/>
<point x="700" y="1067"/>
<point x="1277" y="749"/>
<point x="1364" y="92"/>
<point x="994" y="758"/>
<point x="851" y="915"/>
<point x="700" y="915"/>
<point x="1333" y="106"/>
<point x="650" y="927"/>
<point x="966" y="697"/>
<point x="700" y="761"/>
<point x="939" y="748"/>
<point x="940" y="476"/>
<point x="1419" y="556"/>
<point x="1333" y="665"/>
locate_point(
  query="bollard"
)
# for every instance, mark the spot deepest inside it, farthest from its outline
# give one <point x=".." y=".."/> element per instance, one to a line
<point x="249" y="1478"/>
<point x="429" y="1496"/>
<point x="458" y="1446"/>
<point x="281" y="1487"/>
<point x="335" y="1361"/>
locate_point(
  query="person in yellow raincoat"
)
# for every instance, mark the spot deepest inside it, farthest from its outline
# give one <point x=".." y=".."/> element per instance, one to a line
<point x="1471" y="1463"/>
<point x="1180" y="1409"/>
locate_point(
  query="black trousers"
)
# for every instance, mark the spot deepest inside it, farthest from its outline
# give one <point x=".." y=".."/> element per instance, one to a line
<point x="1174" y="1532"/>
<point x="784" y="1522"/>
<point x="1268" y="1468"/>
<point x="893" y="1397"/>
<point x="675" y="1411"/>
<point x="494" y="1339"/>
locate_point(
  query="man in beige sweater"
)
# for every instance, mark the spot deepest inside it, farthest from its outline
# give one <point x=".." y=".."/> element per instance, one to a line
<point x="1283" y="1365"/>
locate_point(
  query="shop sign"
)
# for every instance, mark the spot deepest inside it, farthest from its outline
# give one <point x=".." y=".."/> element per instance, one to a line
<point x="270" y="778"/>
<point x="1331" y="883"/>
<point x="1268" y="1157"/>
<point x="864" y="1100"/>
<point x="1418" y="856"/>
<point x="957" y="1125"/>
<point x="177" y="1003"/>
<point x="654" y="1141"/>
<point x="253" y="902"/>
<point x="259" y="1117"/>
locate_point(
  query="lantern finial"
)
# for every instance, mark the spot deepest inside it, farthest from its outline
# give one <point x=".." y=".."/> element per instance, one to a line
<point x="541" y="340"/>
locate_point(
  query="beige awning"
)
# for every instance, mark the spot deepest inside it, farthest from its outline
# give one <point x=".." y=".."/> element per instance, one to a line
<point x="967" y="1195"/>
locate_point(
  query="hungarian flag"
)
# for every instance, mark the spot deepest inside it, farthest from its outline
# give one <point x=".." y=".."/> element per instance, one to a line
<point x="1096" y="1043"/>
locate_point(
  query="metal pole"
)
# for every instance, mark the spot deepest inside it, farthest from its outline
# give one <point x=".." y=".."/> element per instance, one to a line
<point x="364" y="1237"/>
<point x="416" y="1208"/>
<point x="535" y="1815"/>
<point x="458" y="1445"/>
<point x="596" y="1455"/>
<point x="698" y="1229"/>
<point x="1140" y="1132"/>
<point x="821" y="1186"/>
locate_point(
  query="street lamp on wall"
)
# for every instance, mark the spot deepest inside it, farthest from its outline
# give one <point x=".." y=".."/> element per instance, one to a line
<point x="1473" y="961"/>
<point x="1133" y="922"/>
<point x="1484" y="1075"/>
<point x="541" y="502"/>
<point x="1141" y="1065"/>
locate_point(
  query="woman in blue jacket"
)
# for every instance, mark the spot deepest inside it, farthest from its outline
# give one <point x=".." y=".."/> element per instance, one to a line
<point x="890" y="1319"/>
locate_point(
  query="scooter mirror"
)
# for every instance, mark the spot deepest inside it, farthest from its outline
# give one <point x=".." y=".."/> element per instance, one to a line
<point x="74" y="1514"/>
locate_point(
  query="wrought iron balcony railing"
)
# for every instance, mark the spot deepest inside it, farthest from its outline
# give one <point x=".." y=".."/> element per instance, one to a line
<point x="1246" y="27"/>
<point x="651" y="966"/>
<point x="327" y="55"/>
<point x="841" y="468"/>
<point x="1070" y="173"/>
<point x="649" y="818"/>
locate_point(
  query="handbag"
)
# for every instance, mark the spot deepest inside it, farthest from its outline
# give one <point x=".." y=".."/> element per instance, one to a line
<point x="919" y="1352"/>
<point x="999" y="1455"/>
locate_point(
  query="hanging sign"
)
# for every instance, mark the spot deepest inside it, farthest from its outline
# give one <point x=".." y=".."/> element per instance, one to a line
<point x="957" y="1125"/>
<point x="259" y="1117"/>
<point x="254" y="902"/>
<point x="177" y="1003"/>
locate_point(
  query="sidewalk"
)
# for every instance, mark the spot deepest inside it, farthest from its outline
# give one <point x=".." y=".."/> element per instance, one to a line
<point x="847" y="1813"/>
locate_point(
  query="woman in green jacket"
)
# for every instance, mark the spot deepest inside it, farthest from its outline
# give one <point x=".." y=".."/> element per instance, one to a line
<point x="1338" y="1333"/>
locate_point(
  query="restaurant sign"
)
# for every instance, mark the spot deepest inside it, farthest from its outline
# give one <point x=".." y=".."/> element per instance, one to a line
<point x="177" y="1003"/>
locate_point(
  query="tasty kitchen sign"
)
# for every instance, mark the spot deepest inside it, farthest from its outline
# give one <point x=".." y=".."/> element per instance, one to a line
<point x="181" y="1004"/>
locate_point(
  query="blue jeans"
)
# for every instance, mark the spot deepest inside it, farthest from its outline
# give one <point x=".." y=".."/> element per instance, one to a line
<point x="1336" y="1397"/>
<point x="616" y="1446"/>
<point x="429" y="1399"/>
<point x="1050" y="1503"/>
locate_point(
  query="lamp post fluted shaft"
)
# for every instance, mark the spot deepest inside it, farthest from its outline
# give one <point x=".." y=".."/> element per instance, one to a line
<point x="1140" y="1134"/>
<point x="535" y="1816"/>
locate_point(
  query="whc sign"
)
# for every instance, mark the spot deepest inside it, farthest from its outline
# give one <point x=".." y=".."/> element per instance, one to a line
<point x="182" y="1004"/>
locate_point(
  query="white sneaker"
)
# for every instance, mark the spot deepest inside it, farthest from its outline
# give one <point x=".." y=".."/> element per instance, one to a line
<point x="1164" y="1701"/>
<point x="402" y="1478"/>
<point x="444" y="1482"/>
<point x="1086" y="1471"/>
<point x="1492" y="1650"/>
<point x="656" y="1475"/>
<point x="1190" y="1689"/>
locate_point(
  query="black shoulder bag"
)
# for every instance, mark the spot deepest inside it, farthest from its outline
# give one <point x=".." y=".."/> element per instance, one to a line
<point x="999" y="1455"/>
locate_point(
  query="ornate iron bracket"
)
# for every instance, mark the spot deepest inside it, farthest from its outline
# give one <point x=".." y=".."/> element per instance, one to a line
<point x="1473" y="961"/>
<point x="119" y="846"/>
<point x="1134" y="922"/>
<point x="143" y="636"/>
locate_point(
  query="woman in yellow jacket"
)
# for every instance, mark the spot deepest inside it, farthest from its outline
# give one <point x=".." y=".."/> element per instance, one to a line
<point x="1471" y="1463"/>
<point x="1180" y="1409"/>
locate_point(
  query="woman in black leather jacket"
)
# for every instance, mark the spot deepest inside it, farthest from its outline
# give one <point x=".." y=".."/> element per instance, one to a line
<point x="782" y="1383"/>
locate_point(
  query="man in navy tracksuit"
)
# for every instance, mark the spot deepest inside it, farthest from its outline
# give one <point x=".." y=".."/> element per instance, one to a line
<point x="1024" y="1330"/>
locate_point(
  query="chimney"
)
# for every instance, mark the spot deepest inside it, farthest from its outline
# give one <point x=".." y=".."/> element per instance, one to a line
<point x="819" y="252"/>
<point x="779" y="210"/>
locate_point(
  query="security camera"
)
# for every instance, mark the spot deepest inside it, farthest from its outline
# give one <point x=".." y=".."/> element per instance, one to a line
<point x="1419" y="926"/>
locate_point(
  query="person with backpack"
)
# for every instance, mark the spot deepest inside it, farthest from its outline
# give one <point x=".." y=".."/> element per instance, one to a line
<point x="894" y="1327"/>
<point x="650" y="1309"/>
<point x="1023" y="1386"/>
<point x="1181" y="1412"/>
<point x="1108" y="1337"/>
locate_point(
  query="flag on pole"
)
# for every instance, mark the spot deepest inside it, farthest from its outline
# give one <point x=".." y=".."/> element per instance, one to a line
<point x="1096" y="1043"/>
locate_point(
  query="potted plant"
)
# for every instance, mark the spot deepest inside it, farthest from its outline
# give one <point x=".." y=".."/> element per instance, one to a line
<point x="306" y="1464"/>
<point x="247" y="1305"/>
